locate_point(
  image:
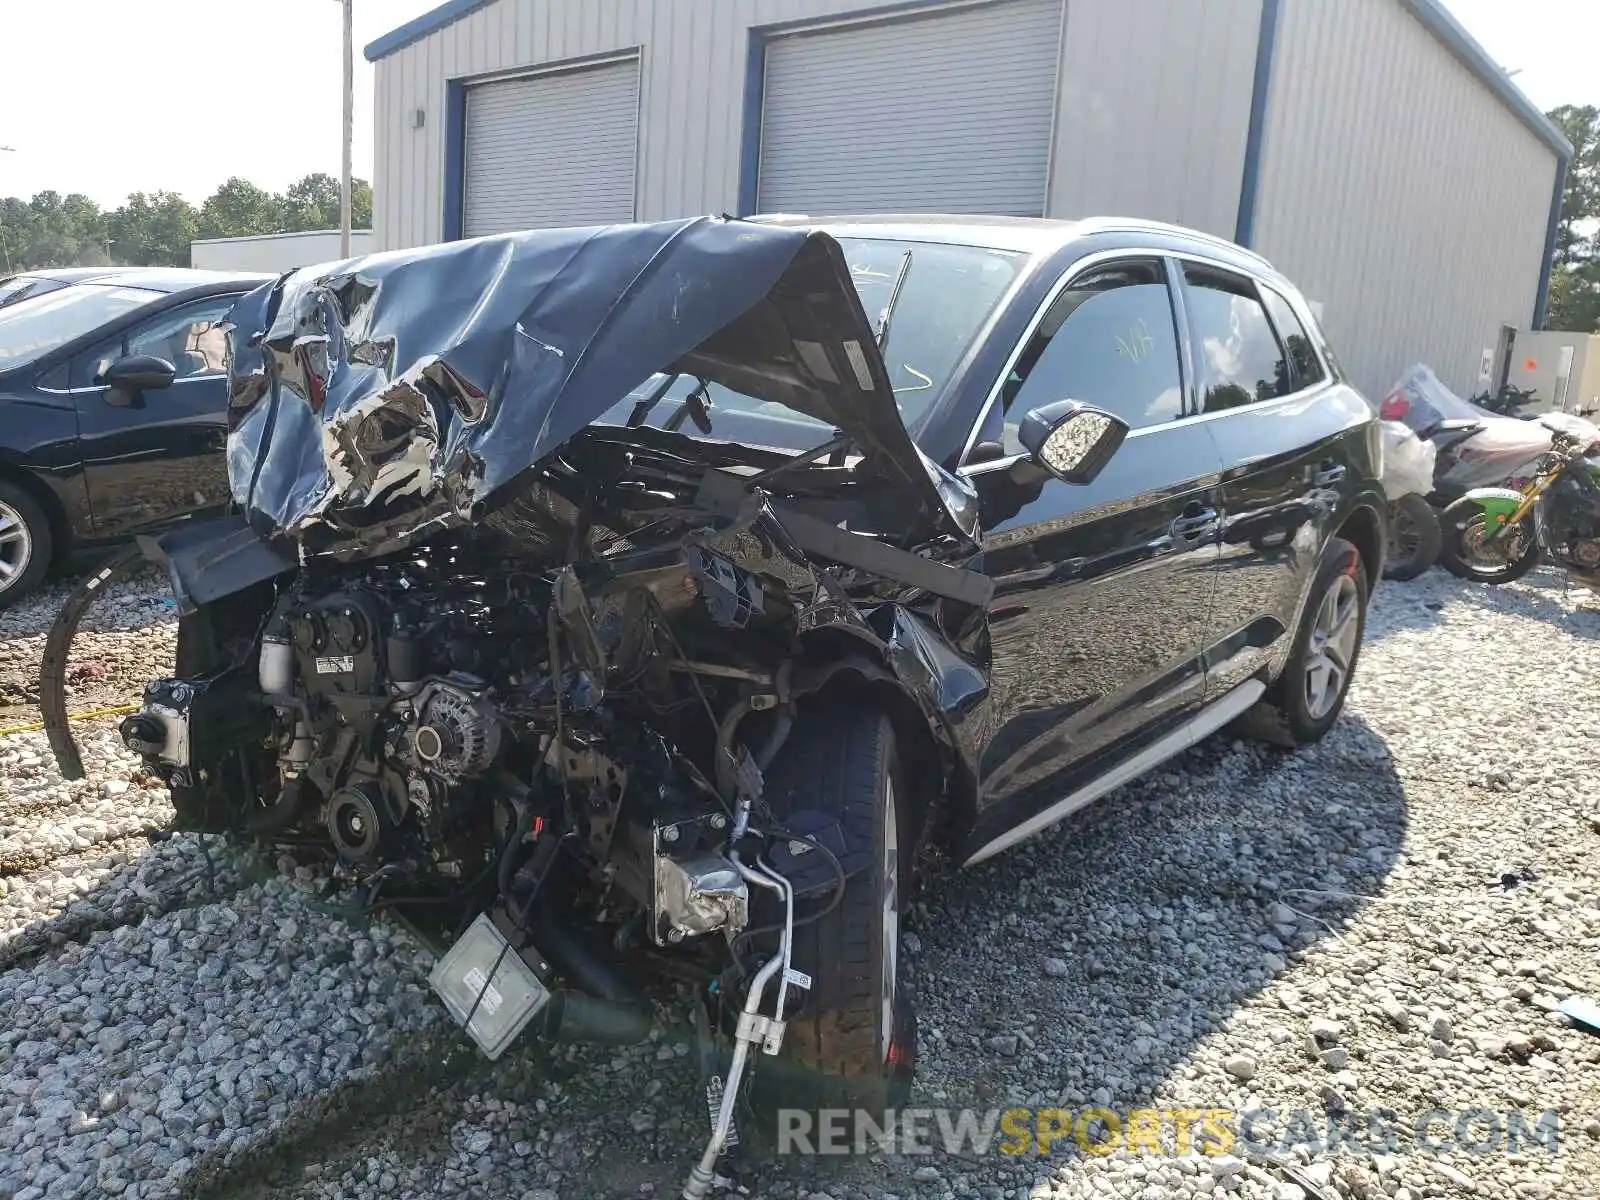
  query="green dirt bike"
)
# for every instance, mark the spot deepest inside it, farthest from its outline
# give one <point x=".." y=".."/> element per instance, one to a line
<point x="1497" y="535"/>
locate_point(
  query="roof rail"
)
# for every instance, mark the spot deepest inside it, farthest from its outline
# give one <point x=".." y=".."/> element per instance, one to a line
<point x="1138" y="225"/>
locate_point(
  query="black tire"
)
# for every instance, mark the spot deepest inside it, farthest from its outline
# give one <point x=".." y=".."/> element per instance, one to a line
<point x="1414" y="538"/>
<point x="840" y="758"/>
<point x="25" y="557"/>
<point x="1460" y="523"/>
<point x="1285" y="716"/>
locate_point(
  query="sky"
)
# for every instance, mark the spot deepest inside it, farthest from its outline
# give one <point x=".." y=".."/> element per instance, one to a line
<point x="108" y="97"/>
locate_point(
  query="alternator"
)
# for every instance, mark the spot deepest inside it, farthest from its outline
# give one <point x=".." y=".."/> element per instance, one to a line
<point x="458" y="734"/>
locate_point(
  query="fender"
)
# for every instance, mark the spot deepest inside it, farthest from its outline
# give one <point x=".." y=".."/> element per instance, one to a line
<point x="1497" y="503"/>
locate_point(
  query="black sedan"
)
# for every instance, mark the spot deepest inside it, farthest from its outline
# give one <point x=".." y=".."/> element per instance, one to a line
<point x="643" y="601"/>
<point x="113" y="403"/>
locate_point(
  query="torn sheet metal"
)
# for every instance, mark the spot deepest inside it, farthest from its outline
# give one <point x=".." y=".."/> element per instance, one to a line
<point x="381" y="399"/>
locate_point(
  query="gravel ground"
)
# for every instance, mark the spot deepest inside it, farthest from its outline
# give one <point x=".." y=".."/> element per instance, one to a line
<point x="1382" y="922"/>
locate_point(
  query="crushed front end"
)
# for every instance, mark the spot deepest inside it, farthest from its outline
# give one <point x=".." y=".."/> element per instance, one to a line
<point x="516" y="666"/>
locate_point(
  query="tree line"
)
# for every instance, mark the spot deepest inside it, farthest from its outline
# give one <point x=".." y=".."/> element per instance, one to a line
<point x="1575" y="273"/>
<point x="155" y="228"/>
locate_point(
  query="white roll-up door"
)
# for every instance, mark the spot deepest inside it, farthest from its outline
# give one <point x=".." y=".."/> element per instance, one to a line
<point x="949" y="112"/>
<point x="550" y="150"/>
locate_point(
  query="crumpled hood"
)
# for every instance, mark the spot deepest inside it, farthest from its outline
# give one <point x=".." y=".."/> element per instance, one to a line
<point x="378" y="400"/>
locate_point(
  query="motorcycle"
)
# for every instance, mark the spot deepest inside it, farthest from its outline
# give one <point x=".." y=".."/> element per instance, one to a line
<point x="1509" y="401"/>
<point x="1474" y="446"/>
<point x="1498" y="534"/>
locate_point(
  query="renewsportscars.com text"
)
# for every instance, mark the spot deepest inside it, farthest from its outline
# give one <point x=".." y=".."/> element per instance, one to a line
<point x="1164" y="1131"/>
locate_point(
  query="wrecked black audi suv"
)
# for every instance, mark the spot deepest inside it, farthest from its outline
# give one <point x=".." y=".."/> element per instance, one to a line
<point x="620" y="603"/>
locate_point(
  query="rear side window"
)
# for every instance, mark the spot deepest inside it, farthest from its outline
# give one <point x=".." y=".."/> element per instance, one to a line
<point x="1239" y="358"/>
<point x="1108" y="341"/>
<point x="1307" y="366"/>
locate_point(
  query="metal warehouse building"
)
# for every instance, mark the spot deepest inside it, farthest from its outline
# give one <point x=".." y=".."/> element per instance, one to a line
<point x="1370" y="148"/>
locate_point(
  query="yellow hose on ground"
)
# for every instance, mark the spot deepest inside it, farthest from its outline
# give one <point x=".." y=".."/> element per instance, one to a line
<point x="116" y="710"/>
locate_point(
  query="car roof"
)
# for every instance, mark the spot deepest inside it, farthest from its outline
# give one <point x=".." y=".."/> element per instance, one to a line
<point x="1026" y="235"/>
<point x="183" y="279"/>
<point x="154" y="279"/>
<point x="70" y="274"/>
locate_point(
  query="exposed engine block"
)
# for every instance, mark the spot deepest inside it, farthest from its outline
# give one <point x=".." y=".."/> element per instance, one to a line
<point x="428" y="720"/>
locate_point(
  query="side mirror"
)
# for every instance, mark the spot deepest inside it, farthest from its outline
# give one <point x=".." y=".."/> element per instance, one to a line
<point x="1070" y="440"/>
<point x="138" y="372"/>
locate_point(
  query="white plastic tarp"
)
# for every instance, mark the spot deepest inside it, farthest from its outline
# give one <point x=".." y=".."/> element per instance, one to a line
<point x="1407" y="461"/>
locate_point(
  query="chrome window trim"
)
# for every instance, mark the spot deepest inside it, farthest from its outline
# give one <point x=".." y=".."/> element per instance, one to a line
<point x="1087" y="263"/>
<point x="106" y="387"/>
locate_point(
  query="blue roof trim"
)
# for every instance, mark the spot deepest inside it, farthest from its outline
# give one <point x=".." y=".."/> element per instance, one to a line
<point x="1266" y="43"/>
<point x="1541" y="301"/>
<point x="1444" y="26"/>
<point x="420" y="27"/>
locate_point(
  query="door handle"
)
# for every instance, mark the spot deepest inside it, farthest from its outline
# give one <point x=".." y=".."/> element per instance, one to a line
<point x="1328" y="474"/>
<point x="1194" y="522"/>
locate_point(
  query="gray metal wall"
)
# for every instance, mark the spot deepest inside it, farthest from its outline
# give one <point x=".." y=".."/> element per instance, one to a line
<point x="1154" y="110"/>
<point x="984" y="147"/>
<point x="1398" y="191"/>
<point x="557" y="148"/>
<point x="1152" y="115"/>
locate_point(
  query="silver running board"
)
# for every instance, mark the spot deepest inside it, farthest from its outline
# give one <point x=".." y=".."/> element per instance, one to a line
<point x="1207" y="721"/>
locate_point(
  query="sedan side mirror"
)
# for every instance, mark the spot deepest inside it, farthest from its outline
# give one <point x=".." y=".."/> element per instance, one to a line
<point x="1070" y="440"/>
<point x="138" y="372"/>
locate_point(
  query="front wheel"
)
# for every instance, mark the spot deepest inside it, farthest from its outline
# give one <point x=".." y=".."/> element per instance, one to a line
<point x="1414" y="537"/>
<point x="852" y="1042"/>
<point x="1467" y="552"/>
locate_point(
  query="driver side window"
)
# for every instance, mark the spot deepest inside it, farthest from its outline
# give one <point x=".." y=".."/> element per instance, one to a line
<point x="1109" y="341"/>
<point x="189" y="337"/>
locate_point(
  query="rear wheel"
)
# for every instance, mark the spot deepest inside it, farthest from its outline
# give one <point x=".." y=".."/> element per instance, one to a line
<point x="1414" y="536"/>
<point x="1467" y="552"/>
<point x="1307" y="697"/>
<point x="25" y="543"/>
<point x="852" y="1042"/>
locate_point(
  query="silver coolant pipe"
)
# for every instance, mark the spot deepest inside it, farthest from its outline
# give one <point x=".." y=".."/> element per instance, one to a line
<point x="753" y="1027"/>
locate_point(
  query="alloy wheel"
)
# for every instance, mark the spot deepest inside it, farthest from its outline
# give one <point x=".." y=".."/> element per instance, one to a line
<point x="1335" y="632"/>
<point x="16" y="546"/>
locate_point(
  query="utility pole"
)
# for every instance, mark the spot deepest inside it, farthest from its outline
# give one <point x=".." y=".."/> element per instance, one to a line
<point x="349" y="127"/>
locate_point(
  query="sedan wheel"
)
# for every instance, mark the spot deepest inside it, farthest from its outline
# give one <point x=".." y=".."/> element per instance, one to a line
<point x="16" y="546"/>
<point x="25" y="543"/>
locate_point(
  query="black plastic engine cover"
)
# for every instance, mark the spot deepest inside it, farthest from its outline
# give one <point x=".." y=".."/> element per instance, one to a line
<point x="338" y="640"/>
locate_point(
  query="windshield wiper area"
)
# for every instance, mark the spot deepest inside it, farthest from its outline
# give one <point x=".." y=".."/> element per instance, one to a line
<point x="894" y="299"/>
